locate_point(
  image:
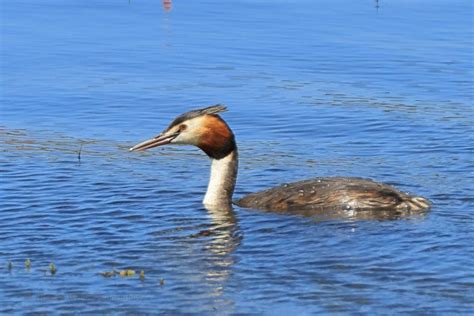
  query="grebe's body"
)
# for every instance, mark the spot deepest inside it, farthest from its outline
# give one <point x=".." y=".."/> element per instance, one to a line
<point x="338" y="194"/>
<point x="207" y="130"/>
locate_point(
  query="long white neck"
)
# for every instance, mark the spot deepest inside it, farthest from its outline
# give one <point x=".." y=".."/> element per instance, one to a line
<point x="222" y="181"/>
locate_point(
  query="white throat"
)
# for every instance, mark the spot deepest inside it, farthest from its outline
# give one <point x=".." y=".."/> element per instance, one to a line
<point x="222" y="180"/>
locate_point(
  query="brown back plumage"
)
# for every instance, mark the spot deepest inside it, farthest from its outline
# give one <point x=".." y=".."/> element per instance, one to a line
<point x="333" y="196"/>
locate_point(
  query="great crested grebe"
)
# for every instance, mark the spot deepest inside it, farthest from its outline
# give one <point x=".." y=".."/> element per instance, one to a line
<point x="205" y="129"/>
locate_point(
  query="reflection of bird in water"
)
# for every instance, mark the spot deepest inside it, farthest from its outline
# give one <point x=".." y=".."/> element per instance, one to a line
<point x="205" y="129"/>
<point x="219" y="242"/>
<point x="224" y="238"/>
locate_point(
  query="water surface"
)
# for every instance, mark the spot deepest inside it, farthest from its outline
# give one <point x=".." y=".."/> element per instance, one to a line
<point x="314" y="89"/>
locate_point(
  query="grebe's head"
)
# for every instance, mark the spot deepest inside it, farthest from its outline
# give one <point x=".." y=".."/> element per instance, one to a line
<point x="202" y="128"/>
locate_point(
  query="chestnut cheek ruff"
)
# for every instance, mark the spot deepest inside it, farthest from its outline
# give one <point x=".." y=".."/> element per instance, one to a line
<point x="217" y="139"/>
<point x="220" y="148"/>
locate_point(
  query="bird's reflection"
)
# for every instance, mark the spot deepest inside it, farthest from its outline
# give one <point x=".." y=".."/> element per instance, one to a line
<point x="225" y="232"/>
<point x="357" y="215"/>
<point x="223" y="238"/>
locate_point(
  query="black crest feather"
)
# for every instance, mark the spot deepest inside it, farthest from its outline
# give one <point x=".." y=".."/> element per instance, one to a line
<point x="213" y="109"/>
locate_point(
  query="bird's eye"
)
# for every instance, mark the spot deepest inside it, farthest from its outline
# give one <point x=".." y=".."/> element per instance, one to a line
<point x="182" y="128"/>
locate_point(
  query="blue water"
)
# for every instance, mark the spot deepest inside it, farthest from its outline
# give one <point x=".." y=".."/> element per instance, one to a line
<point x="314" y="88"/>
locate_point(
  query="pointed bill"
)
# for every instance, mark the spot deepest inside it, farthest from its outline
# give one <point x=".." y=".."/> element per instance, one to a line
<point x="159" y="140"/>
